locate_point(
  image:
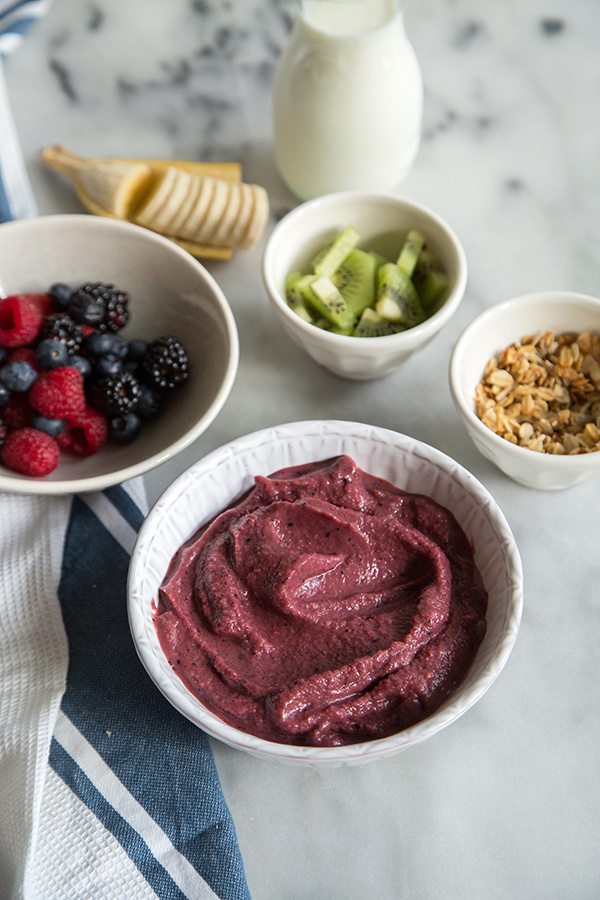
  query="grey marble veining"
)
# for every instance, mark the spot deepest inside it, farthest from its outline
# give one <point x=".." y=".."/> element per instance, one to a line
<point x="505" y="802"/>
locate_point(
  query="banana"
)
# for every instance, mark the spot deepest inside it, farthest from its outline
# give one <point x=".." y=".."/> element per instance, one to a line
<point x="243" y="220"/>
<point x="186" y="207"/>
<point x="203" y="207"/>
<point x="215" y="212"/>
<point x="258" y="219"/>
<point x="232" y="208"/>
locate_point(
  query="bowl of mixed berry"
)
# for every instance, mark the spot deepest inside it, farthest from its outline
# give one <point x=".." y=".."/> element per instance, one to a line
<point x="97" y="378"/>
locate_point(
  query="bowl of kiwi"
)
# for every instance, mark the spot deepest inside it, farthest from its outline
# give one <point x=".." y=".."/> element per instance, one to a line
<point x="361" y="280"/>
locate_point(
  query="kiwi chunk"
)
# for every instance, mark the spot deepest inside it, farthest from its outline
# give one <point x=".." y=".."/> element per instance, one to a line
<point x="327" y="262"/>
<point x="410" y="252"/>
<point x="355" y="280"/>
<point x="397" y="298"/>
<point x="294" y="296"/>
<point x="430" y="281"/>
<point x="373" y="325"/>
<point x="322" y="298"/>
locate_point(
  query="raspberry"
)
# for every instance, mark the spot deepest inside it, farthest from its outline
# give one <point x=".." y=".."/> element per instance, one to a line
<point x="165" y="364"/>
<point x="58" y="393"/>
<point x="17" y="412"/>
<point x="42" y="301"/>
<point x="62" y="328"/>
<point x="20" y="321"/>
<point x="30" y="452"/>
<point x="86" y="433"/>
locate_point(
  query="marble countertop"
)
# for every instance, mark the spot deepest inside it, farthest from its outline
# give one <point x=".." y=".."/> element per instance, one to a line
<point x="504" y="803"/>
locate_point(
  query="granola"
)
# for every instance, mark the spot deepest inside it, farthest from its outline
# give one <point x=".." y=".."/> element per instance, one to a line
<point x="543" y="393"/>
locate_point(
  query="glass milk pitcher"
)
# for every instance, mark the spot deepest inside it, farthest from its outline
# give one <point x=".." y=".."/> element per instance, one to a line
<point x="347" y="99"/>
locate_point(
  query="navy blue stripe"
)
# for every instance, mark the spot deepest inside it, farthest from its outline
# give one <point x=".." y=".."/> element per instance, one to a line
<point x="163" y="760"/>
<point x="156" y="876"/>
<point x="122" y="501"/>
<point x="19" y="26"/>
<point x="5" y="210"/>
<point x="11" y="8"/>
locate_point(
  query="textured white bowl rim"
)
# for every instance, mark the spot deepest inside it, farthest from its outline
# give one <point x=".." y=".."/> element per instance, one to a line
<point x="468" y="409"/>
<point x="430" y="325"/>
<point x="153" y="658"/>
<point x="100" y="482"/>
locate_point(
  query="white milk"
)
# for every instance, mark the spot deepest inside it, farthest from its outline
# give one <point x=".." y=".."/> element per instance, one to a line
<point x="347" y="99"/>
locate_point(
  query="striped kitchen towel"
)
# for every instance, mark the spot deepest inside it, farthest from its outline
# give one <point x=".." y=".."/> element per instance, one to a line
<point x="105" y="790"/>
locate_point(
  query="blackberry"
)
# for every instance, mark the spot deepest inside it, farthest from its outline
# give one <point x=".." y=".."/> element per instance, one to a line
<point x="3" y="431"/>
<point x="102" y="305"/>
<point x="115" y="395"/>
<point x="62" y="328"/>
<point x="166" y="364"/>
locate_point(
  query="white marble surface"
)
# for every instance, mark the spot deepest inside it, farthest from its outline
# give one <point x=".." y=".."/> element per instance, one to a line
<point x="504" y="803"/>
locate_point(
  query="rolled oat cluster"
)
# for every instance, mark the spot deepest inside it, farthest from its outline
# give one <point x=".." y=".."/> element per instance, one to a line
<point x="543" y="393"/>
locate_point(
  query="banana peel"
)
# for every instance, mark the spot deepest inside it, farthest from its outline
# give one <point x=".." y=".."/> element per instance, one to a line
<point x="202" y="206"/>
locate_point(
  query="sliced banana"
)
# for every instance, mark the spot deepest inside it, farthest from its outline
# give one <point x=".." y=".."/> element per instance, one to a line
<point x="199" y="211"/>
<point x="216" y="210"/>
<point x="232" y="208"/>
<point x="186" y="207"/>
<point x="258" y="219"/>
<point x="244" y="215"/>
<point x="179" y="188"/>
<point x="202" y="206"/>
<point x="158" y="198"/>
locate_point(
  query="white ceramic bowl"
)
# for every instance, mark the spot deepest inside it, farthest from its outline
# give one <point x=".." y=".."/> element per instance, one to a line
<point x="171" y="293"/>
<point x="488" y="334"/>
<point x="382" y="220"/>
<point x="212" y="483"/>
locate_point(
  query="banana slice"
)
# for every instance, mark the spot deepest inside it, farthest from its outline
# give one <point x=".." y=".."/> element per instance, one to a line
<point x="216" y="210"/>
<point x="159" y="199"/>
<point x="232" y="208"/>
<point x="176" y="224"/>
<point x="258" y="219"/>
<point x="168" y="199"/>
<point x="244" y="214"/>
<point x="199" y="211"/>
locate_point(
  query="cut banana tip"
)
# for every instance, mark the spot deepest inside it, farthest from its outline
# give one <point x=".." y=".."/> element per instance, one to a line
<point x="203" y="207"/>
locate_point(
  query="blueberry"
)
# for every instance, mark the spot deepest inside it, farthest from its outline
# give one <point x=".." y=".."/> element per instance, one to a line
<point x="81" y="363"/>
<point x="125" y="429"/>
<point x="109" y="364"/>
<point x="61" y="295"/>
<point x="3" y="354"/>
<point x="17" y="376"/>
<point x="53" y="427"/>
<point x="137" y="349"/>
<point x="99" y="343"/>
<point x="4" y="394"/>
<point x="119" y="347"/>
<point x="150" y="403"/>
<point x="51" y="353"/>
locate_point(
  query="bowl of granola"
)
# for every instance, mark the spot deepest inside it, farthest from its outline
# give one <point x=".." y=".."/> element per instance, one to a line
<point x="525" y="380"/>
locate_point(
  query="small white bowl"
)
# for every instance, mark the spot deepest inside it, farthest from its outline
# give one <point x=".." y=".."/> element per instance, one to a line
<point x="171" y="294"/>
<point x="382" y="220"/>
<point x="215" y="481"/>
<point x="487" y="335"/>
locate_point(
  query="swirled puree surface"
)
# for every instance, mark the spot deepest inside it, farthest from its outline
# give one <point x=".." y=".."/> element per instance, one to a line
<point x="325" y="607"/>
